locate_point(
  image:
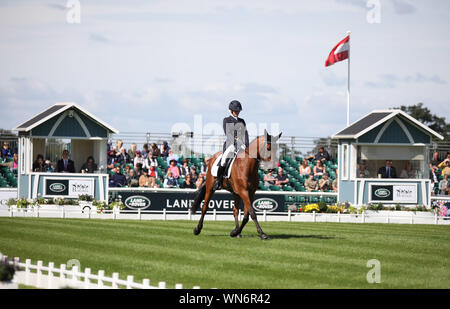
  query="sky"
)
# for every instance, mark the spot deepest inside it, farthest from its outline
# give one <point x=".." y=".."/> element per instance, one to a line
<point x="168" y="65"/>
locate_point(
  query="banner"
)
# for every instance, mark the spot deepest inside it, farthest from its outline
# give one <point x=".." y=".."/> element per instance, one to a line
<point x="393" y="193"/>
<point x="182" y="201"/>
<point x="68" y="187"/>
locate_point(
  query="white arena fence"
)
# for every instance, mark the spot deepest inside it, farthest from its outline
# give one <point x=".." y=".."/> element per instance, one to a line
<point x="51" y="277"/>
<point x="367" y="216"/>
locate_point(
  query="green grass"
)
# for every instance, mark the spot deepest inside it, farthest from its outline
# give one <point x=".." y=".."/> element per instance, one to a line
<point x="298" y="255"/>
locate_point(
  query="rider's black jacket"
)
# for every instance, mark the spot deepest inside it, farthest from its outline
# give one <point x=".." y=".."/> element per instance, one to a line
<point x="235" y="131"/>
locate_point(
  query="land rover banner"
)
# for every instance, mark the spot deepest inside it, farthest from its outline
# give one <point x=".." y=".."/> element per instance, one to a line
<point x="71" y="188"/>
<point x="180" y="201"/>
<point x="395" y="193"/>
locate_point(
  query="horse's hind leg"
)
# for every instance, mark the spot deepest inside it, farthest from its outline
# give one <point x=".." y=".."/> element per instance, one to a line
<point x="237" y="202"/>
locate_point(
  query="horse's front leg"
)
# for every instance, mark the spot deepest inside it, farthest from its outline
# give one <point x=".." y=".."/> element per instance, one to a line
<point x="199" y="226"/>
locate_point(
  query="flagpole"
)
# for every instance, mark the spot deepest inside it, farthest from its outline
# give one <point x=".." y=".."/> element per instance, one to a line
<point x="348" y="82"/>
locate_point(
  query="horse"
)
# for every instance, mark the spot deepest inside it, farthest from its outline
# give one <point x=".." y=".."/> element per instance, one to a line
<point x="242" y="183"/>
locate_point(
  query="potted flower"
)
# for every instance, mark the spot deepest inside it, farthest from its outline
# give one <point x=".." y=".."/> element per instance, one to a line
<point x="85" y="200"/>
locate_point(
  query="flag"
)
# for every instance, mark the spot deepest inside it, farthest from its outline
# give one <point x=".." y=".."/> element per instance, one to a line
<point x="339" y="52"/>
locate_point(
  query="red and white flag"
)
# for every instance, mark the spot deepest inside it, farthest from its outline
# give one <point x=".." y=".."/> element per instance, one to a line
<point x="339" y="52"/>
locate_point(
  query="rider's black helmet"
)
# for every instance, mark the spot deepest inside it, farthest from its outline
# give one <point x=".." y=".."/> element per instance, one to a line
<point x="235" y="106"/>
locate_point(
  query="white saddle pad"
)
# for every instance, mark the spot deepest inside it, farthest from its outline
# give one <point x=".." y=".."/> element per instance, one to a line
<point x="215" y="167"/>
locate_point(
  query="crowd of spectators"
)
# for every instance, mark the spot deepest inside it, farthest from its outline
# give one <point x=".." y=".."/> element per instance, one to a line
<point x="439" y="172"/>
<point x="139" y="168"/>
<point x="312" y="169"/>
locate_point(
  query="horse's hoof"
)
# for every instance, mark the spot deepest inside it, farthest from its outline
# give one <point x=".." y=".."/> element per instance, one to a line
<point x="234" y="233"/>
<point x="264" y="236"/>
<point x="238" y="236"/>
<point x="197" y="231"/>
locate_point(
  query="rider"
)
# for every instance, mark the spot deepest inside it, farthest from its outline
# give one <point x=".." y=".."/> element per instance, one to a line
<point x="236" y="139"/>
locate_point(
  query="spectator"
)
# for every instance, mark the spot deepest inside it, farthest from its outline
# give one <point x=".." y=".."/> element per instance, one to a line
<point x="443" y="185"/>
<point x="118" y="179"/>
<point x="39" y="165"/>
<point x="151" y="160"/>
<point x="435" y="160"/>
<point x="269" y="179"/>
<point x="311" y="183"/>
<point x="204" y="167"/>
<point x="387" y="171"/>
<point x="325" y="183"/>
<point x="126" y="171"/>
<point x="140" y="159"/>
<point x="6" y="151"/>
<point x="119" y="144"/>
<point x="194" y="175"/>
<point x="145" y="180"/>
<point x="199" y="181"/>
<point x="132" y="152"/>
<point x="124" y="157"/>
<point x="445" y="166"/>
<point x="185" y="169"/>
<point x="155" y="150"/>
<point x="153" y="174"/>
<point x="138" y="169"/>
<point x="363" y="172"/>
<point x="13" y="164"/>
<point x="170" y="181"/>
<point x="65" y="165"/>
<point x="112" y="159"/>
<point x="434" y="178"/>
<point x="408" y="172"/>
<point x="132" y="179"/>
<point x="50" y="168"/>
<point x="318" y="169"/>
<point x="145" y="151"/>
<point x="304" y="169"/>
<point x="89" y="166"/>
<point x="174" y="169"/>
<point x="281" y="179"/>
<point x="335" y="185"/>
<point x="171" y="156"/>
<point x="321" y="155"/>
<point x="165" y="149"/>
<point x="188" y="184"/>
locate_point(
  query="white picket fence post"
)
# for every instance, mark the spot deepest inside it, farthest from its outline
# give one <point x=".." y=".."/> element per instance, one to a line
<point x="39" y="274"/>
<point x="164" y="214"/>
<point x="214" y="214"/>
<point x="115" y="279"/>
<point x="101" y="275"/>
<point x="130" y="280"/>
<point x="87" y="281"/>
<point x="139" y="214"/>
<point x="50" y="275"/>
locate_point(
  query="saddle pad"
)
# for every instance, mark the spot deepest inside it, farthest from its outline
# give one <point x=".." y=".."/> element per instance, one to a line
<point x="215" y="167"/>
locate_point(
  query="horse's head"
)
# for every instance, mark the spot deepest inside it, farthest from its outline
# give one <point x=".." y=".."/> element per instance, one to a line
<point x="265" y="150"/>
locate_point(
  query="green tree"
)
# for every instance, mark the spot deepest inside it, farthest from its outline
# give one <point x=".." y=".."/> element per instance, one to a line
<point x="424" y="115"/>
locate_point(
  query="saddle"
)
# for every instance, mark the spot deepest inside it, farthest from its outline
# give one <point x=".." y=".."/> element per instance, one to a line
<point x="228" y="165"/>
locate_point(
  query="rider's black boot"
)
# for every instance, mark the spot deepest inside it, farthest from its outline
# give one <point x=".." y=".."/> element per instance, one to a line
<point x="219" y="179"/>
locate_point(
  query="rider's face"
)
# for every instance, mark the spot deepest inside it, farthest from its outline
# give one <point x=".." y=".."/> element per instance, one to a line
<point x="235" y="113"/>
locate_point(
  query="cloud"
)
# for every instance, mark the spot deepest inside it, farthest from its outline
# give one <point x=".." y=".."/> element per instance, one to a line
<point x="392" y="80"/>
<point x="99" y="38"/>
<point x="57" y="6"/>
<point x="331" y="79"/>
<point x="402" y="7"/>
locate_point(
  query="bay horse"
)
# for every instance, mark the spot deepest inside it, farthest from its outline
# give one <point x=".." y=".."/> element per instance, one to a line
<point x="243" y="182"/>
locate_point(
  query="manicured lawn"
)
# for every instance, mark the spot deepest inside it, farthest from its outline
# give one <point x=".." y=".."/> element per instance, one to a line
<point x="298" y="255"/>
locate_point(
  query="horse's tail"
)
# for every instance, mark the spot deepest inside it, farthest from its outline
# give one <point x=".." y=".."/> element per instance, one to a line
<point x="199" y="197"/>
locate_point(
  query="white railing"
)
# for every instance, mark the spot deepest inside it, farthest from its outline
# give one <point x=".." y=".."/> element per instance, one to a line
<point x="51" y="277"/>
<point x="367" y="216"/>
